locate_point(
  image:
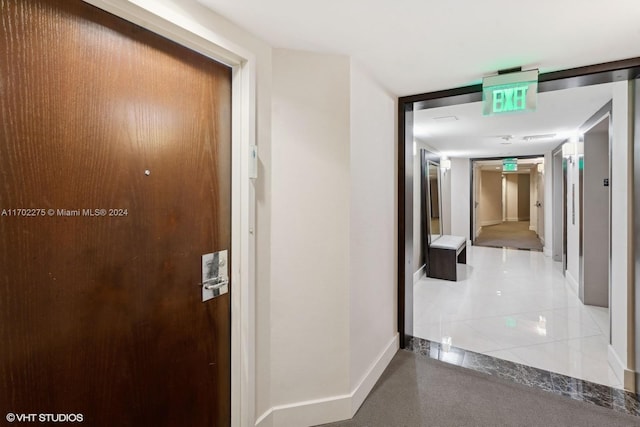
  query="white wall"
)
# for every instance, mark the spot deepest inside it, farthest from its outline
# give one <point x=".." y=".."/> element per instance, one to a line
<point x="445" y="220"/>
<point x="310" y="226"/>
<point x="547" y="205"/>
<point x="460" y="196"/>
<point x="373" y="253"/>
<point x="622" y="327"/>
<point x="333" y="232"/>
<point x="573" y="224"/>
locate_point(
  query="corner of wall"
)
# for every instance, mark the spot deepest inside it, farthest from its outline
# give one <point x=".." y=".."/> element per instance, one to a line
<point x="622" y="277"/>
<point x="362" y="390"/>
<point x="419" y="274"/>
<point x="372" y="287"/>
<point x="624" y="376"/>
<point x="333" y="408"/>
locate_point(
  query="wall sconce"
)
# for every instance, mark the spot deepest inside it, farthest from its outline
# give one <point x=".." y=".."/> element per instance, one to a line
<point x="445" y="164"/>
<point x="574" y="148"/>
<point x="569" y="151"/>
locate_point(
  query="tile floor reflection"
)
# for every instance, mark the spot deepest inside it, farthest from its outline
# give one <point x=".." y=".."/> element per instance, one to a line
<point x="517" y="306"/>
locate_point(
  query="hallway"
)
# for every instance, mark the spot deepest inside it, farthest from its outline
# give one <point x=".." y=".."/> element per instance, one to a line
<point x="516" y="305"/>
<point x="509" y="234"/>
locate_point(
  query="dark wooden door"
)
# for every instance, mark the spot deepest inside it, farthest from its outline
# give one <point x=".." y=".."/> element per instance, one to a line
<point x="100" y="311"/>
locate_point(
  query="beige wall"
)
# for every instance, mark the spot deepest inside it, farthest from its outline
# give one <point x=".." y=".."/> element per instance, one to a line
<point x="460" y="196"/>
<point x="524" y="197"/>
<point x="534" y="212"/>
<point x="373" y="253"/>
<point x="310" y="225"/>
<point x="490" y="198"/>
<point x="511" y="196"/>
<point x="333" y="231"/>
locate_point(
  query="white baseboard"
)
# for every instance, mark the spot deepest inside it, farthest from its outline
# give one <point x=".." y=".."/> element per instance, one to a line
<point x="533" y="228"/>
<point x="334" y="408"/>
<point x="266" y="419"/>
<point x="310" y="413"/>
<point x="419" y="274"/>
<point x="626" y="376"/>
<point x="512" y="219"/>
<point x="629" y="382"/>
<point x="490" y="222"/>
<point x="573" y="282"/>
<point x="362" y="390"/>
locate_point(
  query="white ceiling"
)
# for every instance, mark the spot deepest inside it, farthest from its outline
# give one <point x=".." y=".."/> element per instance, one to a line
<point x="416" y="46"/>
<point x="559" y="112"/>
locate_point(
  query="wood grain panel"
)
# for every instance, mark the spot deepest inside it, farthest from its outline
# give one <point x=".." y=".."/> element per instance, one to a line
<point x="102" y="315"/>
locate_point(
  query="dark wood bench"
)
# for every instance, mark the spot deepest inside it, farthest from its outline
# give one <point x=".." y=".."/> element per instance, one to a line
<point x="444" y="253"/>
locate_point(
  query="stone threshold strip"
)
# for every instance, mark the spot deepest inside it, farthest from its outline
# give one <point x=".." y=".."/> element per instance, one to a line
<point x="563" y="385"/>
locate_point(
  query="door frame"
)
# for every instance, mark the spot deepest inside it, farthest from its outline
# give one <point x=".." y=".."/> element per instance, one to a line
<point x="604" y="113"/>
<point x="558" y="200"/>
<point x="473" y="219"/>
<point x="155" y="17"/>
<point x="624" y="70"/>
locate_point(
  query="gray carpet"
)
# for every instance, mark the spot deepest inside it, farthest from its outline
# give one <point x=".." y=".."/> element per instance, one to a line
<point x="416" y="391"/>
<point x="512" y="234"/>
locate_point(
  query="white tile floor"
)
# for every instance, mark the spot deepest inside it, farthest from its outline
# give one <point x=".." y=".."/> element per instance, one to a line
<point x="516" y="305"/>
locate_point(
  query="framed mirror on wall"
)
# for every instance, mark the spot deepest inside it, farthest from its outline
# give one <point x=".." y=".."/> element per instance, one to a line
<point x="435" y="222"/>
<point x="430" y="196"/>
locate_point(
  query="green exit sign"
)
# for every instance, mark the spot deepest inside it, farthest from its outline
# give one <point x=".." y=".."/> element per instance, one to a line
<point x="510" y="93"/>
<point x="509" y="165"/>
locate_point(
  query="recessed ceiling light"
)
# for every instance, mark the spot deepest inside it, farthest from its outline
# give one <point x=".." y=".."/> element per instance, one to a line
<point x="444" y="119"/>
<point x="538" y="137"/>
<point x="505" y="138"/>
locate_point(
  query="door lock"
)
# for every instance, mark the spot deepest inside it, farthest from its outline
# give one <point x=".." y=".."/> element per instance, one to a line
<point x="215" y="276"/>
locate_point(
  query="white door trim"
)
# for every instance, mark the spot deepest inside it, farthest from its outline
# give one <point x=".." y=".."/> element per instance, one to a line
<point x="157" y="17"/>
